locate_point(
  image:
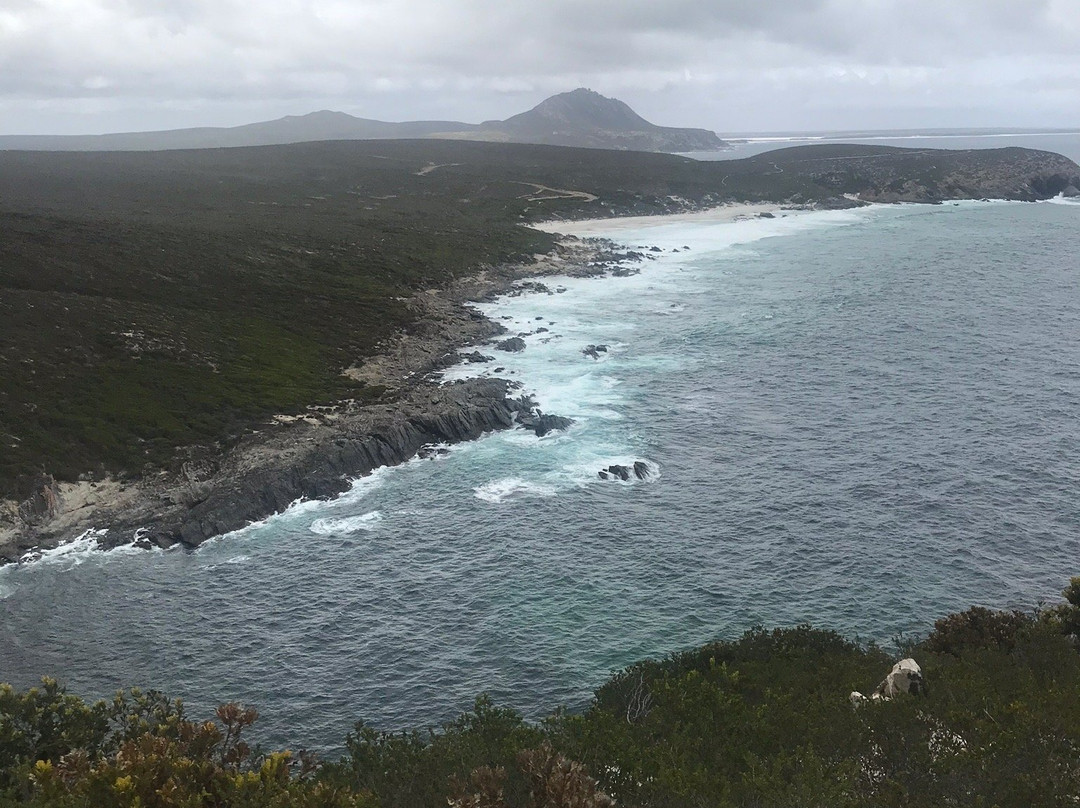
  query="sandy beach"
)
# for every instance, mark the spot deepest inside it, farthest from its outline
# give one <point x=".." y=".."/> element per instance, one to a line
<point x="586" y="228"/>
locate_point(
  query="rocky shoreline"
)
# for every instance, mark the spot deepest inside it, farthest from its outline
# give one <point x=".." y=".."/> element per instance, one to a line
<point x="317" y="454"/>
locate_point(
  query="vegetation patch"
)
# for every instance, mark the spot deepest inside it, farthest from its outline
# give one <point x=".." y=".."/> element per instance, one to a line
<point x="761" y="721"/>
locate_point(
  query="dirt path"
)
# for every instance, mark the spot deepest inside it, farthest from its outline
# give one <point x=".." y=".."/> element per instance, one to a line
<point x="553" y="193"/>
<point x="432" y="167"/>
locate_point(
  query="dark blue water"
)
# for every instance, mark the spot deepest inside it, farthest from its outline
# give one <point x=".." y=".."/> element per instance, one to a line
<point x="864" y="420"/>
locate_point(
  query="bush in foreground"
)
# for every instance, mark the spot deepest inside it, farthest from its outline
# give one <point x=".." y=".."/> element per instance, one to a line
<point x="761" y="721"/>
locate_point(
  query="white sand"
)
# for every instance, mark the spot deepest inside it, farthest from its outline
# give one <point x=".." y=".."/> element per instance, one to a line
<point x="593" y="227"/>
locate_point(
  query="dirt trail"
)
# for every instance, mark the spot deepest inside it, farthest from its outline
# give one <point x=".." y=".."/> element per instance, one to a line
<point x="554" y="193"/>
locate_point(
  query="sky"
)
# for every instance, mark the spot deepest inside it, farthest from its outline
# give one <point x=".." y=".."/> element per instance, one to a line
<point x="734" y="66"/>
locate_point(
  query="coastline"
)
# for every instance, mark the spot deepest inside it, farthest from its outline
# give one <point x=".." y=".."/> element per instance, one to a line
<point x="316" y="454"/>
<point x="319" y="453"/>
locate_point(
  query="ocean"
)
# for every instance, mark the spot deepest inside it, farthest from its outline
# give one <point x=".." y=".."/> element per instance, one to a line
<point x="860" y="419"/>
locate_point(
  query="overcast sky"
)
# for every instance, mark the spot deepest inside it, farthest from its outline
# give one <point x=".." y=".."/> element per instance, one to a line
<point x="87" y="66"/>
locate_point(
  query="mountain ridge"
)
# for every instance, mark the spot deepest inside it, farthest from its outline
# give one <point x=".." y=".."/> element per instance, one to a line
<point x="581" y="117"/>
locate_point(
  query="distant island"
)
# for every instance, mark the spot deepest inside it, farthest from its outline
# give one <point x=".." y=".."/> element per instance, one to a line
<point x="579" y="118"/>
<point x="193" y="339"/>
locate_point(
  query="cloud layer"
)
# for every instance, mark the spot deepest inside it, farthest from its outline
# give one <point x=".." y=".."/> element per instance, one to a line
<point x="731" y="65"/>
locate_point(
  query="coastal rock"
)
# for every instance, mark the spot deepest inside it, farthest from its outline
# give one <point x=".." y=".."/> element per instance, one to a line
<point x="1071" y="192"/>
<point x="542" y="424"/>
<point x="640" y="470"/>
<point x="430" y="451"/>
<point x="594" y="350"/>
<point x="476" y="357"/>
<point x="512" y="345"/>
<point x="43" y="502"/>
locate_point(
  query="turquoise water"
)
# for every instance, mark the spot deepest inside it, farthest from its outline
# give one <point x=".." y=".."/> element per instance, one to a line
<point x="864" y="419"/>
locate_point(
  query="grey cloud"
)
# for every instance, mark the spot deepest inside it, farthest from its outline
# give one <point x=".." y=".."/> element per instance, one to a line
<point x="482" y="58"/>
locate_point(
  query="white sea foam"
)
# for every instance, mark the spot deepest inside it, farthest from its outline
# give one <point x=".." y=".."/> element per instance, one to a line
<point x="65" y="556"/>
<point x="69" y="553"/>
<point x="498" y="491"/>
<point x="346" y="524"/>
<point x="565" y="381"/>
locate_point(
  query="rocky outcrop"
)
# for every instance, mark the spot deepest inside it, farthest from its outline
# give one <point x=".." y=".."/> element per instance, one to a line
<point x="512" y="345"/>
<point x="542" y="424"/>
<point x="639" y="470"/>
<point x="313" y="458"/>
<point x="327" y="466"/>
<point x="43" y="503"/>
<point x="905" y="678"/>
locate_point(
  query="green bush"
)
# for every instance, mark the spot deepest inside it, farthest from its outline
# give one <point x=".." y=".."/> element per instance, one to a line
<point x="763" y="721"/>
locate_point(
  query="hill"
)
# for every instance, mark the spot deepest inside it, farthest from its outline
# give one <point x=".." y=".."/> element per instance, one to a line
<point x="586" y="118"/>
<point x="579" y="118"/>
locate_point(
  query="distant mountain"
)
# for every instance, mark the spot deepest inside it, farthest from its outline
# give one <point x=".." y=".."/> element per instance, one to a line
<point x="578" y="118"/>
<point x="586" y="118"/>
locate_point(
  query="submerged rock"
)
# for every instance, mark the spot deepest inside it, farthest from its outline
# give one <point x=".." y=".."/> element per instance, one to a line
<point x="594" y="350"/>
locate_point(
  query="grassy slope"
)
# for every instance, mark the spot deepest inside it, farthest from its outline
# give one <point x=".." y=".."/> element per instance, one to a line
<point x="150" y="301"/>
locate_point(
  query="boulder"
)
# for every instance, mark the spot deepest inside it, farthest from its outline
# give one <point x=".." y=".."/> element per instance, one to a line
<point x="512" y="345"/>
<point x="904" y="678"/>
<point x="542" y="424"/>
<point x="476" y="357"/>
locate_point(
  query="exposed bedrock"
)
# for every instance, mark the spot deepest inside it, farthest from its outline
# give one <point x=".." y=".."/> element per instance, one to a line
<point x="512" y="345"/>
<point x="454" y="413"/>
<point x="542" y="424"/>
<point x="639" y="470"/>
<point x="268" y="471"/>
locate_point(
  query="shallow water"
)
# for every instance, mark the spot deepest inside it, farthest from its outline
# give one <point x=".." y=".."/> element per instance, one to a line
<point x="864" y="419"/>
